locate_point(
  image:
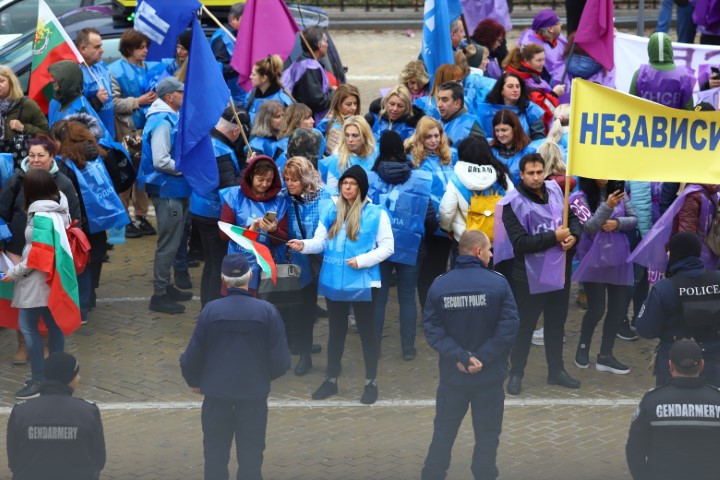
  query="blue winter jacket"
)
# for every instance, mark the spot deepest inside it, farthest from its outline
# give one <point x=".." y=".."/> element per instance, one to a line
<point x="471" y="311"/>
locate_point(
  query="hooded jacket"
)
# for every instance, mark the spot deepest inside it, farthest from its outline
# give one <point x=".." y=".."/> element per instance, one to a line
<point x="69" y="78"/>
<point x="454" y="206"/>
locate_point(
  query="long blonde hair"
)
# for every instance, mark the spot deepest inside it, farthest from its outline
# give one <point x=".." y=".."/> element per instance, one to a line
<point x="560" y="123"/>
<point x="348" y="214"/>
<point x="15" y="92"/>
<point x="368" y="139"/>
<point x="554" y="162"/>
<point x="415" y="145"/>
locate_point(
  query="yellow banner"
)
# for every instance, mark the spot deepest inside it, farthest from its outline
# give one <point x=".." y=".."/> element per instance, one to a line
<point x="617" y="136"/>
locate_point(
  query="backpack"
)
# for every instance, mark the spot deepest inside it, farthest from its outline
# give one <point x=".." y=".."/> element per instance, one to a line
<point x="79" y="247"/>
<point x="481" y="212"/>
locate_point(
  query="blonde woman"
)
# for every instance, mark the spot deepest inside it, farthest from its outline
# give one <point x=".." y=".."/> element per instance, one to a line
<point x="415" y="77"/>
<point x="355" y="236"/>
<point x="560" y="128"/>
<point x="429" y="150"/>
<point x="394" y="112"/>
<point x="345" y="104"/>
<point x="266" y="128"/>
<point x="357" y="147"/>
<point x="18" y="113"/>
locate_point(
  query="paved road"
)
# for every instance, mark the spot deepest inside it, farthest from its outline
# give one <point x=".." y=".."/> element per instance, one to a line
<point x="129" y="358"/>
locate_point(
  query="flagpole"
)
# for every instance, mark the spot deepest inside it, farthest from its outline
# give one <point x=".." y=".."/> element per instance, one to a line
<point x="84" y="64"/>
<point x="568" y="170"/>
<point x="307" y="45"/>
<point x="214" y="18"/>
<point x="242" y="130"/>
<point x="465" y="27"/>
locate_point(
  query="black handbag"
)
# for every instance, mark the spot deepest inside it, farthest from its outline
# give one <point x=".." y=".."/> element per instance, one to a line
<point x="17" y="146"/>
<point x="121" y="170"/>
<point x="287" y="292"/>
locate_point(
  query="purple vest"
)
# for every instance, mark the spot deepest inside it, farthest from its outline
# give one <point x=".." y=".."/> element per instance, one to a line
<point x="291" y="76"/>
<point x="554" y="62"/>
<point x="493" y="69"/>
<point x="651" y="250"/>
<point x="545" y="270"/>
<point x="602" y="255"/>
<point x="672" y="88"/>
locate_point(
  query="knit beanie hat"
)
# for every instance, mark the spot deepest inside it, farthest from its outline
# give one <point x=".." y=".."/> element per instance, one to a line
<point x="61" y="367"/>
<point x="683" y="245"/>
<point x="357" y="173"/>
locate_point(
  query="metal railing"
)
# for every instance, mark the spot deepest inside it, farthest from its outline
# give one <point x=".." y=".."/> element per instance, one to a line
<point x="417" y="5"/>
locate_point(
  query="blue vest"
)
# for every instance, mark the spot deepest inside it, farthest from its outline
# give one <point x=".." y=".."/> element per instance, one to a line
<point x="236" y="91"/>
<point x="331" y="164"/>
<point x="427" y="104"/>
<point x="280" y="96"/>
<point x="209" y="205"/>
<point x="309" y="217"/>
<point x="407" y="204"/>
<point x="338" y="281"/>
<point x="247" y="210"/>
<point x="136" y="81"/>
<point x="91" y="88"/>
<point x="383" y="124"/>
<point x="440" y="178"/>
<point x="79" y="105"/>
<point x="264" y="145"/>
<point x="477" y="88"/>
<point x="161" y="184"/>
<point x="486" y="111"/>
<point x="513" y="163"/>
<point x="459" y="128"/>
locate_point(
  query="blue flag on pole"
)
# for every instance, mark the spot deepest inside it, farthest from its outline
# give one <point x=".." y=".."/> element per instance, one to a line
<point x="436" y="44"/>
<point x="206" y="96"/>
<point x="163" y="21"/>
<point x="454" y="9"/>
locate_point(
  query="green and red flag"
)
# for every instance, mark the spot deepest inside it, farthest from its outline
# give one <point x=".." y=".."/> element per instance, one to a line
<point x="246" y="239"/>
<point x="8" y="314"/>
<point x="51" y="45"/>
<point x="50" y="253"/>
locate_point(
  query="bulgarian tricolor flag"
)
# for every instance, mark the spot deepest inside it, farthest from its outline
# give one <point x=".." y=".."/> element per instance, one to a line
<point x="52" y="44"/>
<point x="246" y="239"/>
<point x="51" y="253"/>
<point x="8" y="314"/>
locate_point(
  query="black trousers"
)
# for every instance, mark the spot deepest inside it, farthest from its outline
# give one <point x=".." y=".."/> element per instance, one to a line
<point x="554" y="307"/>
<point x="616" y="296"/>
<point x="300" y="319"/>
<point x="214" y="250"/>
<point x="434" y="264"/>
<point x="246" y="420"/>
<point x="487" y="415"/>
<point x="338" y="321"/>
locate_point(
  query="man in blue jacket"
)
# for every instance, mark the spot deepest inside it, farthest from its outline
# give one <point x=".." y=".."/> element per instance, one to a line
<point x="471" y="319"/>
<point x="237" y="348"/>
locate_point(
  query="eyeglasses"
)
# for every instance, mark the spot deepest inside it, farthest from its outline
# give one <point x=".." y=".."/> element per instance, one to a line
<point x="349" y="183"/>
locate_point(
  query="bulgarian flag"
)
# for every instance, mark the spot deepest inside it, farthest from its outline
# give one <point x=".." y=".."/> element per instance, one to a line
<point x="8" y="314"/>
<point x="50" y="253"/>
<point x="52" y="44"/>
<point x="246" y="239"/>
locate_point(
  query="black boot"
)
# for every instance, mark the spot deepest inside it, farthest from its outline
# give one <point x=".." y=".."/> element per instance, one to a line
<point x="304" y="365"/>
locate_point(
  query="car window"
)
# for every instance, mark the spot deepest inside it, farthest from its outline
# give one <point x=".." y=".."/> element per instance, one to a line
<point x="19" y="17"/>
<point x="112" y="50"/>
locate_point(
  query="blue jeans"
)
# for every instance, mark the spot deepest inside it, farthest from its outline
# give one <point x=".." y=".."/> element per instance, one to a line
<point x="407" y="276"/>
<point x="685" y="25"/>
<point x="85" y="288"/>
<point x="28" y="319"/>
<point x="665" y="16"/>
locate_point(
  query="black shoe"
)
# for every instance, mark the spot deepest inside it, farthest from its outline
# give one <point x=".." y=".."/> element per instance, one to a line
<point x="316" y="348"/>
<point x="165" y="304"/>
<point x="582" y="356"/>
<point x="563" y="379"/>
<point x="144" y="226"/>
<point x="132" y="231"/>
<point x="320" y="312"/>
<point x="608" y="363"/>
<point x="304" y="365"/>
<point x="626" y="333"/>
<point x="182" y="279"/>
<point x="514" y="385"/>
<point x="370" y="394"/>
<point x="327" y="389"/>
<point x="30" y="390"/>
<point x="178" y="295"/>
<point x="409" y="353"/>
<point x="193" y="263"/>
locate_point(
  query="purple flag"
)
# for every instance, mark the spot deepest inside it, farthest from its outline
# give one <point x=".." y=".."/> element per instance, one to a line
<point x="267" y="29"/>
<point x="478" y="10"/>
<point x="595" y="33"/>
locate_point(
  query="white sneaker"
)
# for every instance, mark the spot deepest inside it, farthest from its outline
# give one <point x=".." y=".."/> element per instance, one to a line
<point x="538" y="337"/>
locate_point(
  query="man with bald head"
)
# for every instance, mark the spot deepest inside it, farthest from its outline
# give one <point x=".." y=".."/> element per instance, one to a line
<point x="471" y="319"/>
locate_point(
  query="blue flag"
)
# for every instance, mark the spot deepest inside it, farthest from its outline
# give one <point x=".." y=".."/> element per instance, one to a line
<point x="454" y="9"/>
<point x="163" y="21"/>
<point x="206" y="96"/>
<point x="436" y="44"/>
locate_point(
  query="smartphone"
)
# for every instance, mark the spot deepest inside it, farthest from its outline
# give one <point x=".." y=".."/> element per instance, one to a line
<point x="615" y="185"/>
<point x="270" y="216"/>
<point x="715" y="72"/>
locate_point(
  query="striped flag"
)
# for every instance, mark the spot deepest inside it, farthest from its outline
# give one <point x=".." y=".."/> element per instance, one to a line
<point x="8" y="314"/>
<point x="51" y="253"/>
<point x="52" y="44"/>
<point x="436" y="44"/>
<point x="242" y="236"/>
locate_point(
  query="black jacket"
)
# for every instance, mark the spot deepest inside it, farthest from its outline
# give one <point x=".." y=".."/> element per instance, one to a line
<point x="675" y="432"/>
<point x="471" y="311"/>
<point x="228" y="175"/>
<point x="237" y="348"/>
<point x="308" y="88"/>
<point x="523" y="242"/>
<point x="55" y="436"/>
<point x="223" y="56"/>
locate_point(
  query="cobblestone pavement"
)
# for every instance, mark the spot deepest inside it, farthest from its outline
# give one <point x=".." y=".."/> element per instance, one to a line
<point x="129" y="358"/>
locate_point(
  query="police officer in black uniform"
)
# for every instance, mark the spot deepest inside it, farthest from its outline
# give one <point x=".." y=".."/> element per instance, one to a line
<point x="56" y="436"/>
<point x="471" y="319"/>
<point x="684" y="305"/>
<point x="675" y="430"/>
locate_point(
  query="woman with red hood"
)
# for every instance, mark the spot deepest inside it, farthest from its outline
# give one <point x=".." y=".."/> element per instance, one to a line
<point x="247" y="206"/>
<point x="528" y="62"/>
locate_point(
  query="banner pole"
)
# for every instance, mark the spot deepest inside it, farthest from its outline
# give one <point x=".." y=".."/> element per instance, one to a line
<point x="242" y="130"/>
<point x="219" y="24"/>
<point x="568" y="169"/>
